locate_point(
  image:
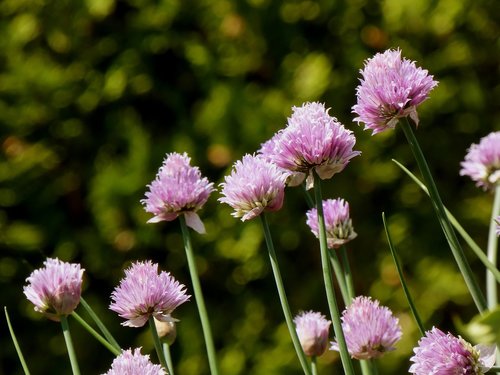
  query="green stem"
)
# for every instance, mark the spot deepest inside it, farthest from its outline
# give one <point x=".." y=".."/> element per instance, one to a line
<point x="198" y="295"/>
<point x="455" y="247"/>
<point x="100" y="324"/>
<point x="491" y="283"/>
<point x="314" y="365"/>
<point x="494" y="369"/>
<point x="328" y="280"/>
<point x="168" y="356"/>
<point x="366" y="369"/>
<point x="472" y="244"/>
<point x="69" y="345"/>
<point x="156" y="340"/>
<point x="16" y="344"/>
<point x="94" y="333"/>
<point x="340" y="276"/>
<point x="347" y="274"/>
<point x="282" y="296"/>
<point x="373" y="366"/>
<point x="309" y="200"/>
<point x="406" y="291"/>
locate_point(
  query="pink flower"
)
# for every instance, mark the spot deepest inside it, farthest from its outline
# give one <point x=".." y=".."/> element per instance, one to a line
<point x="482" y="162"/>
<point x="312" y="330"/>
<point x="338" y="224"/>
<point x="370" y="329"/>
<point x="55" y="289"/>
<point x="134" y="363"/>
<point x="442" y="354"/>
<point x="254" y="186"/>
<point x="177" y="190"/>
<point x="391" y="88"/>
<point x="144" y="293"/>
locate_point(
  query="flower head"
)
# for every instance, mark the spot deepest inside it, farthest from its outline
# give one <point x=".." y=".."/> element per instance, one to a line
<point x="442" y="354"/>
<point x="178" y="189"/>
<point x="391" y="88"/>
<point x="338" y="224"/>
<point x="254" y="186"/>
<point x="370" y="329"/>
<point x="134" y="363"/>
<point x="55" y="289"/>
<point x="482" y="162"/>
<point x="312" y="330"/>
<point x="312" y="140"/>
<point x="144" y="293"/>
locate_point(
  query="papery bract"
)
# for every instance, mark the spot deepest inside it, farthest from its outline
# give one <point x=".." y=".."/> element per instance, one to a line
<point x="134" y="363"/>
<point x="312" y="330"/>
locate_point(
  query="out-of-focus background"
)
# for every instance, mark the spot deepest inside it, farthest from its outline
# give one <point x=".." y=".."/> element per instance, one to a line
<point x="94" y="93"/>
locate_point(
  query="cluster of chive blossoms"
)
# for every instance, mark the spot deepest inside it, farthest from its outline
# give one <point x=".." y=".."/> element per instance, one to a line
<point x="391" y="88"/>
<point x="134" y="363"/>
<point x="55" y="289"/>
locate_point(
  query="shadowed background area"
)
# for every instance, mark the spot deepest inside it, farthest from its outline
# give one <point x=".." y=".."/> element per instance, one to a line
<point x="94" y="93"/>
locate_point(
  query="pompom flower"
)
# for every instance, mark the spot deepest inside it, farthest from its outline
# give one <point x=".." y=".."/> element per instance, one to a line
<point x="391" y="88"/>
<point x="254" y="186"/>
<point x="482" y="162"/>
<point x="312" y="140"/>
<point x="442" y="354"/>
<point x="370" y="329"/>
<point x="338" y="224"/>
<point x="55" y="289"/>
<point x="312" y="330"/>
<point x="144" y="293"/>
<point x="134" y="363"/>
<point x="179" y="189"/>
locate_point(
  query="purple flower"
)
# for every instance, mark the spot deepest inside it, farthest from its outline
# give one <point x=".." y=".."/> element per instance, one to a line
<point x="442" y="354"/>
<point x="338" y="224"/>
<point x="482" y="162"/>
<point x="144" y="293"/>
<point x="55" y="289"/>
<point x="312" y="140"/>
<point x="370" y="329"/>
<point x="134" y="363"/>
<point x="178" y="189"/>
<point x="391" y="88"/>
<point x="312" y="330"/>
<point x="254" y="186"/>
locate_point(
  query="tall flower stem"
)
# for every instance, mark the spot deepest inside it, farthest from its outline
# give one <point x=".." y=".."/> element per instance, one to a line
<point x="347" y="274"/>
<point x="437" y="203"/>
<point x="282" y="295"/>
<point x="69" y="345"/>
<point x="314" y="365"/>
<point x="94" y="333"/>
<point x="156" y="340"/>
<point x="340" y="276"/>
<point x="100" y="324"/>
<point x="168" y="357"/>
<point x="16" y="344"/>
<point x="328" y="279"/>
<point x="492" y="252"/>
<point x="198" y="295"/>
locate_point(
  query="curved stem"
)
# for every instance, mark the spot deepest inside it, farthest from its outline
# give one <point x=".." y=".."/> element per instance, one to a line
<point x="16" y="344"/>
<point x="198" y="295"/>
<point x="492" y="252"/>
<point x="69" y="345"/>
<point x="347" y="274"/>
<point x="94" y="333"/>
<point x="100" y="324"/>
<point x="328" y="280"/>
<point x="339" y="275"/>
<point x="455" y="247"/>
<point x="282" y="295"/>
<point x="168" y="357"/>
<point x="156" y="340"/>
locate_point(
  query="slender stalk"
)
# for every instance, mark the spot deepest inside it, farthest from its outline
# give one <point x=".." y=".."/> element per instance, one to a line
<point x="373" y="366"/>
<point x="314" y="365"/>
<point x="494" y="369"/>
<point x="327" y="276"/>
<point x="491" y="283"/>
<point x="347" y="274"/>
<point x="100" y="324"/>
<point x="309" y="200"/>
<point x="340" y="276"/>
<point x="156" y="340"/>
<point x="96" y="334"/>
<point x="69" y="345"/>
<point x="16" y="344"/>
<point x="168" y="357"/>
<point x="198" y="295"/>
<point x="406" y="291"/>
<point x="455" y="247"/>
<point x="282" y="295"/>
<point x="366" y="368"/>
<point x="472" y="244"/>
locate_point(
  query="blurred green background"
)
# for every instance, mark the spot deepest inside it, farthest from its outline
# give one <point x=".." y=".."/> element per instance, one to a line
<point x="93" y="93"/>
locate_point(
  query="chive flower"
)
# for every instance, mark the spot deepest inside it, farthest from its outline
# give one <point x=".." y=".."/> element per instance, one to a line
<point x="134" y="363"/>
<point x="55" y="289"/>
<point x="370" y="329"/>
<point x="482" y="162"/>
<point x="391" y="88"/>
<point x="338" y="224"/>
<point x="254" y="186"/>
<point x="312" y="330"/>
<point x="178" y="189"/>
<point x="144" y="293"/>
<point x="312" y="140"/>
<point x="442" y="353"/>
